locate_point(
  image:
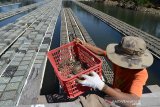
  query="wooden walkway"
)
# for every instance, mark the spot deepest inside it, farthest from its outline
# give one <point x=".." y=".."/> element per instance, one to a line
<point x="11" y="32"/>
<point x="126" y="29"/>
<point x="22" y="65"/>
<point x="72" y="28"/>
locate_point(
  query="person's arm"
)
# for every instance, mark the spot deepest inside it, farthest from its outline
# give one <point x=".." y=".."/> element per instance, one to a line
<point x="124" y="99"/>
<point x="95" y="82"/>
<point x="94" y="49"/>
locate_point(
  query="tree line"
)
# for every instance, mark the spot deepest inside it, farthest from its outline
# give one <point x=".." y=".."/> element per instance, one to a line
<point x="147" y="3"/>
<point x="142" y="2"/>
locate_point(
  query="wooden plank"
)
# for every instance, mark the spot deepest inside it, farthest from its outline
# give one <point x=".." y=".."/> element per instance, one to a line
<point x="31" y="90"/>
<point x="66" y="104"/>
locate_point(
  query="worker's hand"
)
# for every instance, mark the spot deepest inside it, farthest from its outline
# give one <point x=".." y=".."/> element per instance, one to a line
<point x="79" y="41"/>
<point x="92" y="80"/>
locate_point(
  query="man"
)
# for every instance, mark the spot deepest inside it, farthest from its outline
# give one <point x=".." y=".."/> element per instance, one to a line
<point x="130" y="59"/>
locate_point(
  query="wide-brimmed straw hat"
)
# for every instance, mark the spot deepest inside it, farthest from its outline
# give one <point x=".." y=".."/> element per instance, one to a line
<point x="130" y="53"/>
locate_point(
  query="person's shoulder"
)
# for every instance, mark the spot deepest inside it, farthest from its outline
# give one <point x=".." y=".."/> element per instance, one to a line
<point x="142" y="74"/>
<point x="143" y="71"/>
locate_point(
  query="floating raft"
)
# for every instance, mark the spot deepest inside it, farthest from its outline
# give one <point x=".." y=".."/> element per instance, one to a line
<point x="20" y="10"/>
<point x="24" y="45"/>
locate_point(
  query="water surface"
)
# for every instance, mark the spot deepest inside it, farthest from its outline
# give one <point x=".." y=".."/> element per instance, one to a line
<point x="147" y="22"/>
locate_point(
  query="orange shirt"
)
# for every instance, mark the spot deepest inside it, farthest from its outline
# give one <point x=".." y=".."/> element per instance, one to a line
<point x="129" y="80"/>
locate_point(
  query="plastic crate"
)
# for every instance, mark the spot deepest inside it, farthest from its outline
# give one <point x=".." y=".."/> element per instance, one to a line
<point x="61" y="58"/>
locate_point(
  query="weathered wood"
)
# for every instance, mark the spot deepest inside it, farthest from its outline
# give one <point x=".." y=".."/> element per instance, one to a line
<point x="31" y="91"/>
<point x="23" y="75"/>
<point x="66" y="104"/>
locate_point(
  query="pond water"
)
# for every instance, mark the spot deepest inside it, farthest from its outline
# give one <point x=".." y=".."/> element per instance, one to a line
<point x="147" y="22"/>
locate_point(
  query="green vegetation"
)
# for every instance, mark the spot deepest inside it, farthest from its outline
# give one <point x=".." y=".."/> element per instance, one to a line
<point x="138" y="2"/>
<point x="142" y="2"/>
<point x="146" y="3"/>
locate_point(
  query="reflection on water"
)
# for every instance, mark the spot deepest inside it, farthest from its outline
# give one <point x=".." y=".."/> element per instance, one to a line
<point x="102" y="34"/>
<point x="146" y="22"/>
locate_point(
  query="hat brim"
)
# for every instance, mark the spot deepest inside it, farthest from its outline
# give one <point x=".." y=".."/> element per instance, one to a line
<point x="129" y="61"/>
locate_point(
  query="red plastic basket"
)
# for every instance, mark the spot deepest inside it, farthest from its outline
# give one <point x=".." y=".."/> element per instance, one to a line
<point x="72" y="51"/>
